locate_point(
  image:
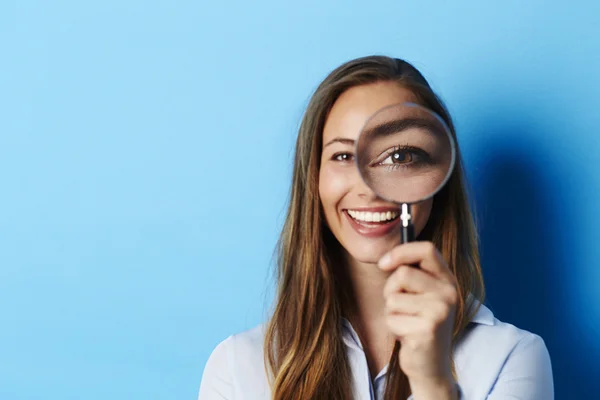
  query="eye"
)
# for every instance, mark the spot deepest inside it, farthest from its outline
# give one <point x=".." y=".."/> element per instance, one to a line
<point x="399" y="156"/>
<point x="403" y="156"/>
<point x="344" y="157"/>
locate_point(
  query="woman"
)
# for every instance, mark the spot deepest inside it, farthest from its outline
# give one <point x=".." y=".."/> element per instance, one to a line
<point x="353" y="319"/>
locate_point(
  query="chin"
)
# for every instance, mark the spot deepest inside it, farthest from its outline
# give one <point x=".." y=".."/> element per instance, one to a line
<point x="369" y="251"/>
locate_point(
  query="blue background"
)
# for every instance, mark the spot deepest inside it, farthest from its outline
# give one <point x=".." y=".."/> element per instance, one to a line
<point x="145" y="157"/>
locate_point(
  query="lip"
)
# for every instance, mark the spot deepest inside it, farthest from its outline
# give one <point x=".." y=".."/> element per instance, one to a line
<point x="373" y="231"/>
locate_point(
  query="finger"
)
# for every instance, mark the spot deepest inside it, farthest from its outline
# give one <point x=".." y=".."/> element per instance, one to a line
<point x="423" y="254"/>
<point x="407" y="325"/>
<point x="412" y="280"/>
<point x="404" y="303"/>
<point x="431" y="307"/>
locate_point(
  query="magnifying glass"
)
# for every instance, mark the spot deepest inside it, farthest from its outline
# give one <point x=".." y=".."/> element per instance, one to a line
<point x="405" y="154"/>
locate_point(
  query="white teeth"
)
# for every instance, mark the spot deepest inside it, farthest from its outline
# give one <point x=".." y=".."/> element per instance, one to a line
<point x="373" y="216"/>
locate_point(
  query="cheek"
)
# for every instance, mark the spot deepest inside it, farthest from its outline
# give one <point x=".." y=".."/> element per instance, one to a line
<point x="421" y="213"/>
<point x="333" y="185"/>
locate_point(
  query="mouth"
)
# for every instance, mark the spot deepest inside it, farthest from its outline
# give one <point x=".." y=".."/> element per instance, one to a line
<point x="373" y="222"/>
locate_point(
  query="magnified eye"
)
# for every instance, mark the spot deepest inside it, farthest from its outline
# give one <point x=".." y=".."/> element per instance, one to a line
<point x="402" y="156"/>
<point x="399" y="156"/>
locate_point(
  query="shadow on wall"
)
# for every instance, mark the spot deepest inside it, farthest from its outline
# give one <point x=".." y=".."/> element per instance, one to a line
<point x="525" y="250"/>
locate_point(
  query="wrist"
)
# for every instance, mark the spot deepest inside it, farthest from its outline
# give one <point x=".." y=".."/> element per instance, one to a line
<point x="434" y="388"/>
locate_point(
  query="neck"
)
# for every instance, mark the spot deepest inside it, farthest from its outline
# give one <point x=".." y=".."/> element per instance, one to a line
<point x="367" y="282"/>
<point x="367" y="314"/>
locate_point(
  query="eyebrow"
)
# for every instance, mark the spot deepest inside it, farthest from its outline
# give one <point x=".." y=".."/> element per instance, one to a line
<point x="399" y="125"/>
<point x="340" y="140"/>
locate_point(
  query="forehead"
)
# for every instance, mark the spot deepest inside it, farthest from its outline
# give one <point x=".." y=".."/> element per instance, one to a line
<point x="352" y="109"/>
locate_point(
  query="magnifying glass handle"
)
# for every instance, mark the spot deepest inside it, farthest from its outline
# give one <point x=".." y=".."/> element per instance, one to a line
<point x="408" y="233"/>
<point x="408" y="230"/>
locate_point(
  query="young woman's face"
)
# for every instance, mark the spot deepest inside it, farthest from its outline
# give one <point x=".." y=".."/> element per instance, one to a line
<point x="365" y="225"/>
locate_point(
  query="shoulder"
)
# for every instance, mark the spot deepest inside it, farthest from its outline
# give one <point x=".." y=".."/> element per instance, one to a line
<point x="492" y="335"/>
<point x="496" y="357"/>
<point x="235" y="365"/>
<point x="247" y="347"/>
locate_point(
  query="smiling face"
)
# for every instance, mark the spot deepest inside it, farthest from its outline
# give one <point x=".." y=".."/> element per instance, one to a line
<point x="364" y="224"/>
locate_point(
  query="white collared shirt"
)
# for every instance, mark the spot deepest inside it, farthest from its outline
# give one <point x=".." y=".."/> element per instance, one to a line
<point x="494" y="361"/>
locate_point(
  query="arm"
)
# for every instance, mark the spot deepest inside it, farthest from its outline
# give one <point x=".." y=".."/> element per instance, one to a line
<point x="526" y="374"/>
<point x="216" y="380"/>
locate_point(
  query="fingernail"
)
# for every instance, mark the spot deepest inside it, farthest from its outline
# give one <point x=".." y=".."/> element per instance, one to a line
<point x="385" y="261"/>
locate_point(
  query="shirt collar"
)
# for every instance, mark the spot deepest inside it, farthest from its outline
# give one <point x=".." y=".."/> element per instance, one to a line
<point x="483" y="316"/>
<point x="350" y="336"/>
<point x="352" y="340"/>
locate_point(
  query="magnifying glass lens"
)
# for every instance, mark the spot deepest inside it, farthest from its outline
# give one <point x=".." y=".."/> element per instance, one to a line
<point x="405" y="153"/>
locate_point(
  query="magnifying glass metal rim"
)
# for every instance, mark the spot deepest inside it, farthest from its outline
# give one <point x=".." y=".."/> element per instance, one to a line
<point x="447" y="132"/>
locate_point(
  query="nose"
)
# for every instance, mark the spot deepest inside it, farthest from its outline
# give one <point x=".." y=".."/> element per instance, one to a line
<point x="363" y="190"/>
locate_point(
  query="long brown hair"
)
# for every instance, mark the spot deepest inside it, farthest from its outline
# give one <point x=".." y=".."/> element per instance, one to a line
<point x="305" y="357"/>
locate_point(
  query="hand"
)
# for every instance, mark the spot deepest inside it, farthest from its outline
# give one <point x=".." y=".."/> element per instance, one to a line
<point x="420" y="308"/>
